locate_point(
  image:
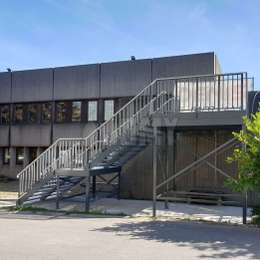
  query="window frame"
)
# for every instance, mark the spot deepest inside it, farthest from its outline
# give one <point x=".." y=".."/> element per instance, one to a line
<point x="14" y="121"/>
<point x="27" y="121"/>
<point x="67" y="118"/>
<point x="87" y="110"/>
<point x="41" y="112"/>
<point x="9" y="116"/>
<point x="17" y="162"/>
<point x="30" y="153"/>
<point x="110" y="99"/>
<point x="8" y="160"/>
<point x="71" y="108"/>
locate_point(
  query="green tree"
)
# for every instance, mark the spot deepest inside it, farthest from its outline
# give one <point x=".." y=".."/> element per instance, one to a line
<point x="247" y="156"/>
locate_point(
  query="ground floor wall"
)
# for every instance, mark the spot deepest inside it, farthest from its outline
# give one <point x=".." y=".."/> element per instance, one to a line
<point x="183" y="147"/>
<point x="176" y="149"/>
<point x="17" y="159"/>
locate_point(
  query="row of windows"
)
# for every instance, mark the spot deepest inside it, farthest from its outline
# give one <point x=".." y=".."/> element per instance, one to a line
<point x="65" y="111"/>
<point x="19" y="155"/>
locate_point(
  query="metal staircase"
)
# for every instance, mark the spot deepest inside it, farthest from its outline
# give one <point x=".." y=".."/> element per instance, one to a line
<point x="105" y="150"/>
<point x="126" y="133"/>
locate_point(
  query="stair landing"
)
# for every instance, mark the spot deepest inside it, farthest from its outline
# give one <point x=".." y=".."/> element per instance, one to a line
<point x="214" y="118"/>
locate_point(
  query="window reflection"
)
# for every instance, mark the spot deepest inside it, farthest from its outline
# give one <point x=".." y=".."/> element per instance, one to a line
<point x="19" y="155"/>
<point x="76" y="111"/>
<point x="18" y="113"/>
<point x="62" y="112"/>
<point x="109" y="109"/>
<point x="32" y="113"/>
<point x="6" y="155"/>
<point x="92" y="111"/>
<point x="4" y="114"/>
<point x="46" y="110"/>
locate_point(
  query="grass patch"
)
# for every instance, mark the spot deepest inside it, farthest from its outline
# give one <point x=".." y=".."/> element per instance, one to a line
<point x="256" y="215"/>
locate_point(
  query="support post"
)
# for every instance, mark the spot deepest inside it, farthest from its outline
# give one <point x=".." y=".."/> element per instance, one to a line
<point x="154" y="169"/>
<point x="167" y="143"/>
<point x="245" y="208"/>
<point x="87" y="180"/>
<point x="94" y="186"/>
<point x="87" y="183"/>
<point x="57" y="192"/>
<point x="215" y="159"/>
<point x="119" y="186"/>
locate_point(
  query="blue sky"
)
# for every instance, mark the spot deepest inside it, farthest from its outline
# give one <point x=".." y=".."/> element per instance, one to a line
<point x="49" y="33"/>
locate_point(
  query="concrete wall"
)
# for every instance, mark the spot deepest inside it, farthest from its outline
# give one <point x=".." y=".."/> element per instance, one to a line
<point x="76" y="82"/>
<point x="5" y="87"/>
<point x="185" y="65"/>
<point x="32" y="85"/>
<point x="72" y="130"/>
<point x="116" y="79"/>
<point x="4" y="136"/>
<point x="120" y="79"/>
<point x="31" y="135"/>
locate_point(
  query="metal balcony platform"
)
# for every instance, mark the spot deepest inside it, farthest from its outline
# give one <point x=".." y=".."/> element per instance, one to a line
<point x="185" y="119"/>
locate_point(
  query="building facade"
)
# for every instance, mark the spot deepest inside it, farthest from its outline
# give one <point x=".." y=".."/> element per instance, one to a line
<point x="39" y="106"/>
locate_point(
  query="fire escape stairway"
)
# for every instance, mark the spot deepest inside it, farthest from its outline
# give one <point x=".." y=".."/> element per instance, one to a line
<point x="105" y="150"/>
<point x="128" y="132"/>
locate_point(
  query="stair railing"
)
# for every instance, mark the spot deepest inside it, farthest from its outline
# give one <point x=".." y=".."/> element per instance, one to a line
<point x="47" y="162"/>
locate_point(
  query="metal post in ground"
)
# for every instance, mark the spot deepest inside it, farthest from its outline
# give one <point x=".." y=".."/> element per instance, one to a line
<point x="57" y="192"/>
<point x="118" y="185"/>
<point x="166" y="202"/>
<point x="154" y="169"/>
<point x="245" y="208"/>
<point x="94" y="182"/>
<point x="87" y="200"/>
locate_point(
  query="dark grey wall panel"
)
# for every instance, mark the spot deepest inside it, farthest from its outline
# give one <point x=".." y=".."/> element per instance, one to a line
<point x="5" y="170"/>
<point x="196" y="64"/>
<point x="30" y="135"/>
<point x="72" y="130"/>
<point x="4" y="136"/>
<point x="76" y="82"/>
<point x="127" y="78"/>
<point x="32" y="85"/>
<point x="5" y="87"/>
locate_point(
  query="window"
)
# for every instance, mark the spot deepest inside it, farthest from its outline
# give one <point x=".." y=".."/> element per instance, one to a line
<point x="32" y="153"/>
<point x="18" y="113"/>
<point x="76" y="111"/>
<point x="6" y="156"/>
<point x="62" y="112"/>
<point x="19" y="155"/>
<point x="46" y="111"/>
<point x="92" y="111"/>
<point x="32" y="113"/>
<point x="4" y="114"/>
<point x="109" y="109"/>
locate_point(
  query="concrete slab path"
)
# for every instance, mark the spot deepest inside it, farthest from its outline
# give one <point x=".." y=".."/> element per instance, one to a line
<point x="142" y="208"/>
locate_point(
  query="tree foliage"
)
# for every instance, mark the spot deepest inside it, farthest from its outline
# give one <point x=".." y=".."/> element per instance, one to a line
<point x="247" y="156"/>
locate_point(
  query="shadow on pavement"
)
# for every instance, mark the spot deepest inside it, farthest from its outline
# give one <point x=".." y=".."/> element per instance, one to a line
<point x="214" y="241"/>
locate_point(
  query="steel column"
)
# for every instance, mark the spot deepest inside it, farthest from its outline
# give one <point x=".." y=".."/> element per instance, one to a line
<point x="87" y="200"/>
<point x="155" y="141"/>
<point x="119" y="185"/>
<point x="57" y="192"/>
<point x="94" y="182"/>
